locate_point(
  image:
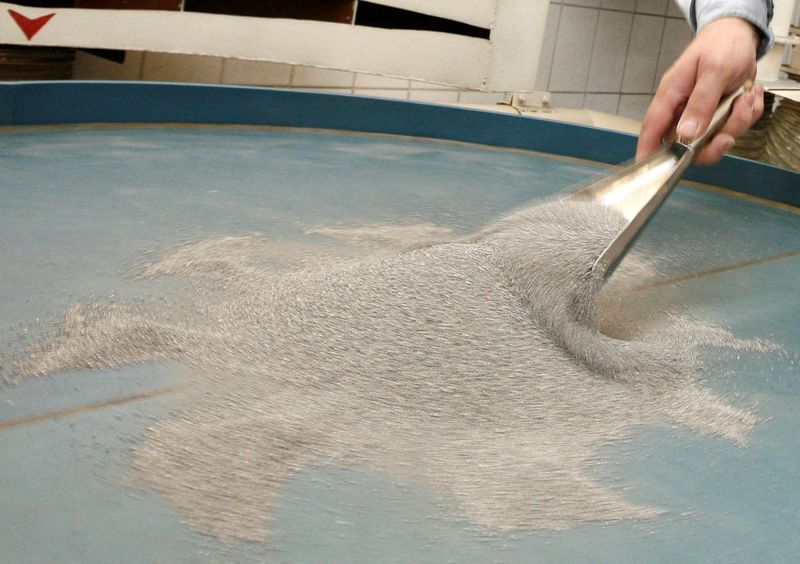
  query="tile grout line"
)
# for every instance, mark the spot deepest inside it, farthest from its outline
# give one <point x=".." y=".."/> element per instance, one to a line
<point x="555" y="44"/>
<point x="619" y="10"/>
<point x="591" y="56"/>
<point x="653" y="84"/>
<point x="625" y="62"/>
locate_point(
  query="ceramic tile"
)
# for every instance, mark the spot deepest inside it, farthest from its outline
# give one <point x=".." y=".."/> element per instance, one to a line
<point x="172" y="67"/>
<point x="345" y="91"/>
<point x="642" y="56"/>
<point x="420" y="85"/>
<point x="548" y="47"/>
<point x="633" y="105"/>
<point x="677" y="36"/>
<point x="673" y="10"/>
<point x="656" y="7"/>
<point x="602" y="102"/>
<point x="375" y="81"/>
<point x="322" y="78"/>
<point x="237" y="71"/>
<point x="397" y="94"/>
<point x="91" y="67"/>
<point x="561" y="100"/>
<point x="573" y="50"/>
<point x="468" y="97"/>
<point x="436" y="96"/>
<point x="608" y="54"/>
<point x="587" y="3"/>
<point x="623" y="5"/>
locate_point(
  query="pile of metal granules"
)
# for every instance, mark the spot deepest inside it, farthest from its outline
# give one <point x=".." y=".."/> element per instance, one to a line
<point x="473" y="367"/>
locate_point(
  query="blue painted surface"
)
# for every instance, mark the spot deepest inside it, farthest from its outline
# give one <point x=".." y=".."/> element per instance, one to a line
<point x="79" y="208"/>
<point x="37" y="103"/>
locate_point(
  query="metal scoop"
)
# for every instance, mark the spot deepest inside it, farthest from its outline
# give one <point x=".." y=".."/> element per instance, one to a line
<point x="638" y="190"/>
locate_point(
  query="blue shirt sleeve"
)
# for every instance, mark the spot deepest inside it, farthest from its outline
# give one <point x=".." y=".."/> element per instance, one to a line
<point x="757" y="12"/>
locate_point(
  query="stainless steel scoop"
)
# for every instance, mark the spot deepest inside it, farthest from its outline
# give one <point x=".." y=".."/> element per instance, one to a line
<point x="638" y="190"/>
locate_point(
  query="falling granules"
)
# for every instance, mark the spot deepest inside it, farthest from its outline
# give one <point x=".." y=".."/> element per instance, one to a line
<point x="473" y="367"/>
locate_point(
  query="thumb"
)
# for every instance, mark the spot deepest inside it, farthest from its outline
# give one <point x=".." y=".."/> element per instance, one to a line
<point x="701" y="106"/>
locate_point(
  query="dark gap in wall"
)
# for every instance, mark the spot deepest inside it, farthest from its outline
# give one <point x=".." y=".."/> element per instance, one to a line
<point x="45" y="3"/>
<point x="172" y="5"/>
<point x="113" y="55"/>
<point x="375" y="15"/>
<point x="27" y="62"/>
<point x="369" y="14"/>
<point x="35" y="63"/>
<point x="340" y="11"/>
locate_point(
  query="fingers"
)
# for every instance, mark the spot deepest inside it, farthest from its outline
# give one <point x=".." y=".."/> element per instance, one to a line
<point x="702" y="104"/>
<point x="715" y="149"/>
<point x="758" y="107"/>
<point x="745" y="112"/>
<point x="667" y="104"/>
<point x="657" y="124"/>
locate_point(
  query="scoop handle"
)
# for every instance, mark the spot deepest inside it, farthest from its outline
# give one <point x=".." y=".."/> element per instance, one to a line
<point x="719" y="118"/>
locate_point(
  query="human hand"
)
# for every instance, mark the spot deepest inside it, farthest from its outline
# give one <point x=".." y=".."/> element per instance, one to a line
<point x="720" y="59"/>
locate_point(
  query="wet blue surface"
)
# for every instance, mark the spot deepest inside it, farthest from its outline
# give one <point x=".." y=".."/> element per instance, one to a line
<point x="79" y="210"/>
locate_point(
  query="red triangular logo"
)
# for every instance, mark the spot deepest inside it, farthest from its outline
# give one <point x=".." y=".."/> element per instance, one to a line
<point x="30" y="27"/>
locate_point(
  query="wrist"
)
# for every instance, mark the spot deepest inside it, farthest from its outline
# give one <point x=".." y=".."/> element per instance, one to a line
<point x="747" y="21"/>
<point x="736" y="27"/>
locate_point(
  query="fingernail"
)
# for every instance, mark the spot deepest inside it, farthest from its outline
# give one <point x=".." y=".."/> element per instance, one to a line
<point x="687" y="128"/>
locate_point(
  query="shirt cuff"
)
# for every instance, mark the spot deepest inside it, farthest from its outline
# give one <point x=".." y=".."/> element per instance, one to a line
<point x="757" y="12"/>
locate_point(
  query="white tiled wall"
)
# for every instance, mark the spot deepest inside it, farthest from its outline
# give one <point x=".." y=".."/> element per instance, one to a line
<point x="633" y="105"/>
<point x="642" y="56"/>
<point x="215" y="70"/>
<point x="89" y="67"/>
<point x="573" y="51"/>
<point x="193" y="68"/>
<point x="255" y="73"/>
<point x="606" y="55"/>
<point x="610" y="40"/>
<point x="608" y="103"/>
<point x="609" y="55"/>
<point x="676" y="36"/>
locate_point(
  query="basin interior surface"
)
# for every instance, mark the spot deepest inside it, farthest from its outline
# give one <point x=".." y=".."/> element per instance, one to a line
<point x="82" y="208"/>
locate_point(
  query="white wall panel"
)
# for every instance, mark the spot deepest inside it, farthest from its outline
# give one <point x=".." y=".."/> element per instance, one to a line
<point x="438" y="57"/>
<point x="573" y="51"/>
<point x="507" y="62"/>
